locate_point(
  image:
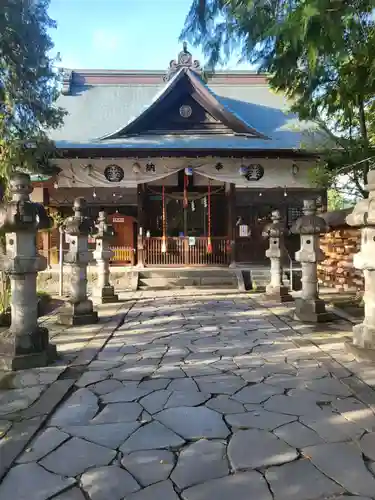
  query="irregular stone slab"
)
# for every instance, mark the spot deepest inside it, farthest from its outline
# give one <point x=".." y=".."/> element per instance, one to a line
<point x="332" y="427"/>
<point x="285" y="381"/>
<point x="105" y="386"/>
<point x="118" y="412"/>
<point x="300" y="480"/>
<point x="220" y="384"/>
<point x="248" y="361"/>
<point x="200" y="462"/>
<point x="356" y="411"/>
<point x="169" y="371"/>
<point x="201" y="357"/>
<point x="109" y="435"/>
<point x="32" y="482"/>
<point x="133" y="371"/>
<point x="163" y="490"/>
<point x="104" y="364"/>
<point x="152" y="436"/>
<point x="329" y="386"/>
<point x="194" y="423"/>
<point x="5" y="425"/>
<point x="200" y="370"/>
<point x="149" y="467"/>
<point x="257" y="393"/>
<point x="104" y="483"/>
<point x="258" y="419"/>
<point x="80" y="408"/>
<point x="344" y="464"/>
<point x="125" y="394"/>
<point x="255" y="448"/>
<point x="293" y="405"/>
<point x="72" y="494"/>
<point x="155" y="384"/>
<point x="18" y="399"/>
<point x="155" y="401"/>
<point x="76" y="456"/>
<point x="367" y="444"/>
<point x="183" y="384"/>
<point x="224" y="404"/>
<point x="182" y="398"/>
<point x="240" y="486"/>
<point x="298" y="435"/>
<point x="91" y="378"/>
<point x="50" y="439"/>
<point x="253" y="376"/>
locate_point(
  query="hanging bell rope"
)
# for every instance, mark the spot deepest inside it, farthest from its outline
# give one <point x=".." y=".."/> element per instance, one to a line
<point x="164" y="223"/>
<point x="209" y="243"/>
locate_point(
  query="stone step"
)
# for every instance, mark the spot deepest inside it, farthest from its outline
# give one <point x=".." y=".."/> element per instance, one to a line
<point x="210" y="282"/>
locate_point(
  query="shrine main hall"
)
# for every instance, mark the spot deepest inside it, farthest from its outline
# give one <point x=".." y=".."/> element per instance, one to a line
<point x="187" y="167"/>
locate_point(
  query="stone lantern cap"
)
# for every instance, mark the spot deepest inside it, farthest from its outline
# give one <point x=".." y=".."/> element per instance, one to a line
<point x="363" y="213"/>
<point x="79" y="224"/>
<point x="105" y="231"/>
<point x="22" y="214"/>
<point x="276" y="228"/>
<point x="309" y="222"/>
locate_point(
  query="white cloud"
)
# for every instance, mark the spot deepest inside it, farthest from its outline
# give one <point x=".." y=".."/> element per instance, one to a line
<point x="104" y="39"/>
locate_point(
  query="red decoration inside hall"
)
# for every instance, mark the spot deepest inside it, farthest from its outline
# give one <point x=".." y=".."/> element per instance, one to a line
<point x="186" y="184"/>
<point x="209" y="243"/>
<point x="164" y="223"/>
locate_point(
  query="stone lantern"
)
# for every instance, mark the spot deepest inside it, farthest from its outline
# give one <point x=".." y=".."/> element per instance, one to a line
<point x="78" y="228"/>
<point x="104" y="291"/>
<point x="276" y="252"/>
<point x="363" y="216"/>
<point x="309" y="307"/>
<point x="26" y="345"/>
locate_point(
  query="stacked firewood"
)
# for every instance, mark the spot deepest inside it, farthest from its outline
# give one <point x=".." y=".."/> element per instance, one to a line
<point x="337" y="270"/>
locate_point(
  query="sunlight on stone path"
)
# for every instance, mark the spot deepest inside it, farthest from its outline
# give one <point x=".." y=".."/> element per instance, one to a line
<point x="201" y="398"/>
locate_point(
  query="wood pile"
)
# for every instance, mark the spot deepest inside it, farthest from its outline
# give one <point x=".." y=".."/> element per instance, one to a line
<point x="337" y="271"/>
<point x="339" y="245"/>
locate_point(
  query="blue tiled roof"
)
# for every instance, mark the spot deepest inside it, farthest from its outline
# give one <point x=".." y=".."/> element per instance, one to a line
<point x="96" y="111"/>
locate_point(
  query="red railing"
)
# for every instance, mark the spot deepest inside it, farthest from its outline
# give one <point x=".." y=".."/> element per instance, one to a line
<point x="186" y="251"/>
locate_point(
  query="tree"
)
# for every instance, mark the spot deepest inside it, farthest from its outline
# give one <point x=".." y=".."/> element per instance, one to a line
<point x="28" y="87"/>
<point x="318" y="53"/>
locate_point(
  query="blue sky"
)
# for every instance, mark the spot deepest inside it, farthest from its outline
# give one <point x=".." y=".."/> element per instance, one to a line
<point x="120" y="34"/>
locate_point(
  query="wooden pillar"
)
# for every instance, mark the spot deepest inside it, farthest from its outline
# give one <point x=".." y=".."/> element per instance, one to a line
<point x="141" y="195"/>
<point x="230" y="191"/>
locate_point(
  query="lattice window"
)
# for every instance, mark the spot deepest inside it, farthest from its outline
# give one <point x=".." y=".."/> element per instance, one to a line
<point x="293" y="214"/>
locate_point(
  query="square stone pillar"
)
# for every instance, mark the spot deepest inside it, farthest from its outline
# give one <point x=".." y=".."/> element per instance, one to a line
<point x="26" y="344"/>
<point x="275" y="232"/>
<point x="103" y="292"/>
<point x="309" y="307"/>
<point x="363" y="216"/>
<point x="79" y="310"/>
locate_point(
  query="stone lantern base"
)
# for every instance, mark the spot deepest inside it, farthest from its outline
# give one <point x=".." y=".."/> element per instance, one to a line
<point x="311" y="311"/>
<point x="80" y="313"/>
<point x="105" y="295"/>
<point x="40" y="353"/>
<point x="278" y="293"/>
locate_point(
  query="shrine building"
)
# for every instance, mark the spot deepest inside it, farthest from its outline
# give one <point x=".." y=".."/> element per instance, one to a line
<point x="188" y="170"/>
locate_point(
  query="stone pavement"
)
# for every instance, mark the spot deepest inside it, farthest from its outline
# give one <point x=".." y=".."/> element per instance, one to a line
<point x="195" y="396"/>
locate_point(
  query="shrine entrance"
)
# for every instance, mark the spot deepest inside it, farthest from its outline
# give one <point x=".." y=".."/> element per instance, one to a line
<point x="186" y="227"/>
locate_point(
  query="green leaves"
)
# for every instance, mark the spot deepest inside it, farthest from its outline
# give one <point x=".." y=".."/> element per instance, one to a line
<point x="28" y="86"/>
<point x="318" y="52"/>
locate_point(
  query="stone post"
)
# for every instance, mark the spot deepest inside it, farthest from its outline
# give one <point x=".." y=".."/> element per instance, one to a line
<point x="363" y="216"/>
<point x="79" y="310"/>
<point x="276" y="253"/>
<point x="103" y="292"/>
<point x="26" y="344"/>
<point x="309" y="307"/>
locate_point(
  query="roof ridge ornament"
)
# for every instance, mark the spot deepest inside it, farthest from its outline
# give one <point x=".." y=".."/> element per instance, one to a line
<point x="184" y="60"/>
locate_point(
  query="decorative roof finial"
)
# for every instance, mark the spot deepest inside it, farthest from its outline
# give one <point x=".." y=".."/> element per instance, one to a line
<point x="184" y="60"/>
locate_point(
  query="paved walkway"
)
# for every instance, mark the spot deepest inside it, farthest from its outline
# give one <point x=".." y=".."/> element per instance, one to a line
<point x="196" y="397"/>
